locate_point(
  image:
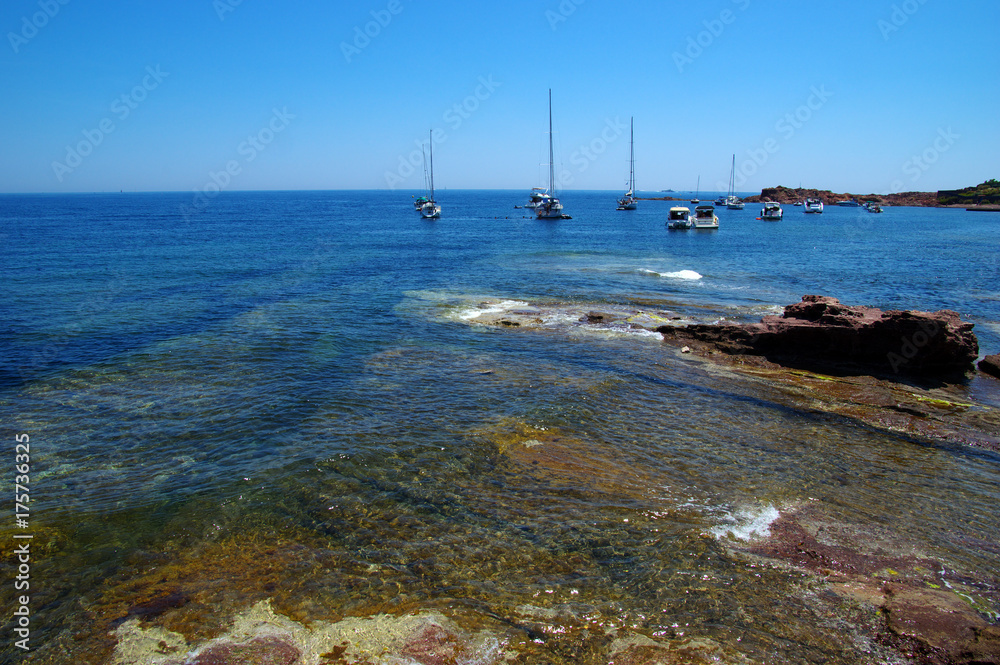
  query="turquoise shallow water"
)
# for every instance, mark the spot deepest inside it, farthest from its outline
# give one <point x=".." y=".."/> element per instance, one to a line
<point x="305" y="364"/>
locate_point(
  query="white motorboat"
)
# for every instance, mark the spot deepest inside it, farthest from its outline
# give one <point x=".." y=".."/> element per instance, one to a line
<point x="813" y="206"/>
<point x="628" y="201"/>
<point x="771" y="211"/>
<point x="679" y="219"/>
<point x="550" y="208"/>
<point x="705" y="218"/>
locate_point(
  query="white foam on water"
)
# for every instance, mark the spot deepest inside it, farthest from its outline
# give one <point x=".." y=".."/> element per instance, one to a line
<point x="747" y="523"/>
<point x="690" y="275"/>
<point x="617" y="332"/>
<point x="489" y="308"/>
<point x="683" y="274"/>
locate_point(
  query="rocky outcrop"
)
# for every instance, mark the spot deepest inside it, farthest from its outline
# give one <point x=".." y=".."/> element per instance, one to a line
<point x="820" y="332"/>
<point x="990" y="365"/>
<point x="789" y="195"/>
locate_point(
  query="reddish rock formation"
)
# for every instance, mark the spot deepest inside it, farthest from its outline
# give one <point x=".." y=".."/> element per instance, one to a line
<point x="920" y="615"/>
<point x="990" y="365"/>
<point x="789" y="195"/>
<point x="822" y="332"/>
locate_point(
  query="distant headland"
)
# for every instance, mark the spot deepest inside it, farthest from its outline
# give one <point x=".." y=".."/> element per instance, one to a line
<point x="985" y="196"/>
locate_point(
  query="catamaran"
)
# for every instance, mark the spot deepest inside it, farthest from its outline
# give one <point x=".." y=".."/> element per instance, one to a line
<point x="550" y="208"/>
<point x="430" y="209"/>
<point x="629" y="202"/>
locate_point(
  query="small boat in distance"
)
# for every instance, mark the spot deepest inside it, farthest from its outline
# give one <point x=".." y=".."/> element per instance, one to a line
<point x="629" y="202"/>
<point x="697" y="190"/>
<point x="813" y="206"/>
<point x="849" y="204"/>
<point x="551" y="208"/>
<point x="705" y="218"/>
<point x="431" y="210"/>
<point x="679" y="219"/>
<point x="771" y="212"/>
<point x="733" y="202"/>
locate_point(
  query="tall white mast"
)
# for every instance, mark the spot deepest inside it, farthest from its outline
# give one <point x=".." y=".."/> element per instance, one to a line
<point x="432" y="163"/>
<point x="631" y="159"/>
<point x="552" y="159"/>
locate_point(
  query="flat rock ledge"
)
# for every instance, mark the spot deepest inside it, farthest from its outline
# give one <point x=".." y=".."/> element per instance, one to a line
<point x="822" y="333"/>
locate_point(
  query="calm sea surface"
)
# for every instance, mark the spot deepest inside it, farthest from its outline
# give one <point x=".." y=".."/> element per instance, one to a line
<point x="300" y="373"/>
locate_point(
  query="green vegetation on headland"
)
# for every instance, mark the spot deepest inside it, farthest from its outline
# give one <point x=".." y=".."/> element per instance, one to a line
<point x="986" y="193"/>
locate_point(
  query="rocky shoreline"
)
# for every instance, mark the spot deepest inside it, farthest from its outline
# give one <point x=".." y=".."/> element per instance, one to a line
<point x="904" y="372"/>
<point x="788" y="195"/>
<point x="821" y="333"/>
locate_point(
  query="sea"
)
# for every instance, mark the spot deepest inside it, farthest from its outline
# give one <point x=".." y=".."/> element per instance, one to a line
<point x="291" y="398"/>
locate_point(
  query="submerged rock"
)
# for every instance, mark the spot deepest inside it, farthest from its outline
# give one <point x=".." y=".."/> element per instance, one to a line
<point x="918" y="611"/>
<point x="822" y="332"/>
<point x="990" y="365"/>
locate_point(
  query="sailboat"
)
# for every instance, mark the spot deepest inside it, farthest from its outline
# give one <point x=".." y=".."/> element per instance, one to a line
<point x="697" y="191"/>
<point x="551" y="208"/>
<point x="629" y="202"/>
<point x="431" y="210"/>
<point x="733" y="202"/>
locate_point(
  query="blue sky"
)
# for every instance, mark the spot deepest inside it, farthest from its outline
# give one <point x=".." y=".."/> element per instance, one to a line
<point x="854" y="96"/>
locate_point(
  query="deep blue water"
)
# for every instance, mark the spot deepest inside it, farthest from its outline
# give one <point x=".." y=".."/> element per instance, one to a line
<point x="157" y="358"/>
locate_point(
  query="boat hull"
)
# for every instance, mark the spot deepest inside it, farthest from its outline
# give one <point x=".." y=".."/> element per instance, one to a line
<point x="431" y="211"/>
<point x="553" y="210"/>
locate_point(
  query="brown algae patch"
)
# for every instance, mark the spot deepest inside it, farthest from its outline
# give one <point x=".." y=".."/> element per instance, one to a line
<point x="569" y="461"/>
